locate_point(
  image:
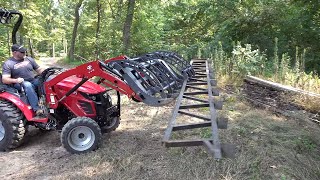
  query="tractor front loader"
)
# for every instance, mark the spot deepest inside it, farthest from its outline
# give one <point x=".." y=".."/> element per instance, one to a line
<point x="77" y="101"/>
<point x="82" y="108"/>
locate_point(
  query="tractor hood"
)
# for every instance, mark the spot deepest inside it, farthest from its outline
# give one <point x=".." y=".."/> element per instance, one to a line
<point x="88" y="87"/>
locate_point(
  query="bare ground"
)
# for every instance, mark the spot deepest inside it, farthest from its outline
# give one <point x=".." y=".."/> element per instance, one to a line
<point x="42" y="157"/>
<point x="269" y="146"/>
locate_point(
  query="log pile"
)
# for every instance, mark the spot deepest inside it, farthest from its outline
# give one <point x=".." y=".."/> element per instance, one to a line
<point x="279" y="87"/>
<point x="276" y="97"/>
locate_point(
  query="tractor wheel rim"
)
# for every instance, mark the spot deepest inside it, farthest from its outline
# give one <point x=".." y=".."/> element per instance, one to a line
<point x="81" y="138"/>
<point x="2" y="131"/>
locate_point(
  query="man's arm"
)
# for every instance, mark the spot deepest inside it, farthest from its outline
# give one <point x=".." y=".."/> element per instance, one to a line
<point x="40" y="70"/>
<point x="35" y="65"/>
<point x="6" y="79"/>
<point x="6" y="75"/>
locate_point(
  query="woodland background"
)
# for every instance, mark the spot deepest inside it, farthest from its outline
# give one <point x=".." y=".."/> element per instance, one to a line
<point x="276" y="40"/>
<point x="272" y="38"/>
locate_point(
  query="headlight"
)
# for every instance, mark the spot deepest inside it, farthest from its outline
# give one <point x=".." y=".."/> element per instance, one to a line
<point x="93" y="98"/>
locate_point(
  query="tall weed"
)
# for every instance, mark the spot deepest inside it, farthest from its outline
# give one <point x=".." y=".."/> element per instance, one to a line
<point x="244" y="60"/>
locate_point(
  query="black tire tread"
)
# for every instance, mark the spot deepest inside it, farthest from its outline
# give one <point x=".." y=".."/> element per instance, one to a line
<point x="113" y="128"/>
<point x="17" y="121"/>
<point x="75" y="122"/>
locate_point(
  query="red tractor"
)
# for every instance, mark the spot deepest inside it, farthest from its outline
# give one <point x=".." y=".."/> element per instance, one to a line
<point x="77" y="101"/>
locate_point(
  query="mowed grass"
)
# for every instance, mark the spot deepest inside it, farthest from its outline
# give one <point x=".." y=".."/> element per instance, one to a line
<point x="271" y="146"/>
<point x="268" y="147"/>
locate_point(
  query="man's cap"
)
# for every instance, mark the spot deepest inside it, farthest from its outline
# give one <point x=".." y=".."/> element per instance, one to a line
<point x="17" y="47"/>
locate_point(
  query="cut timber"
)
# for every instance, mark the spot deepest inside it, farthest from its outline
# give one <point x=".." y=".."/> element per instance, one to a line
<point x="280" y="87"/>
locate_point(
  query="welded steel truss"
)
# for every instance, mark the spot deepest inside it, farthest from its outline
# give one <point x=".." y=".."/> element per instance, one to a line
<point x="198" y="93"/>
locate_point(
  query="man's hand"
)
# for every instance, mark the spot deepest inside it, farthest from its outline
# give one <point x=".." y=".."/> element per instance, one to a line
<point x="19" y="80"/>
<point x="6" y="79"/>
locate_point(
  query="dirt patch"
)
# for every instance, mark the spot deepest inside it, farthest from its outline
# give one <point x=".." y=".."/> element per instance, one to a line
<point x="139" y="136"/>
<point x="53" y="62"/>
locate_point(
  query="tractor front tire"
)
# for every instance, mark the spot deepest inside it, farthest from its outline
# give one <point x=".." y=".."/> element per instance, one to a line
<point x="12" y="126"/>
<point x="81" y="135"/>
<point x="113" y="125"/>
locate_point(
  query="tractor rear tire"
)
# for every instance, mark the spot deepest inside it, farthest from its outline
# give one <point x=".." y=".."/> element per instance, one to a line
<point x="81" y="135"/>
<point x="12" y="126"/>
<point x="114" y="124"/>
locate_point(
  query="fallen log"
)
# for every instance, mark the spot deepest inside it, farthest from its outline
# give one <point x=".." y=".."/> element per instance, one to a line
<point x="280" y="87"/>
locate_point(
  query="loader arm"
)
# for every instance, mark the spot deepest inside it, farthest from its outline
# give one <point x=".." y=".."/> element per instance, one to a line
<point x="86" y="71"/>
<point x="155" y="78"/>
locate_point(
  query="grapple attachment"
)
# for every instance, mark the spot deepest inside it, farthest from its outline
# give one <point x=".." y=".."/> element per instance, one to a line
<point x="156" y="78"/>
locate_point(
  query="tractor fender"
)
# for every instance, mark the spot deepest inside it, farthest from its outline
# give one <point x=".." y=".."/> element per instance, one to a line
<point x="28" y="113"/>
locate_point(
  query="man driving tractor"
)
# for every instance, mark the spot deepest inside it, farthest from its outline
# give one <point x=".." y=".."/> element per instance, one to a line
<point x="72" y="101"/>
<point x="18" y="71"/>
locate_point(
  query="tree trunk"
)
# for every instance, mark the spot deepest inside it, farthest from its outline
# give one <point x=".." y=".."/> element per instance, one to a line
<point x="75" y="29"/>
<point x="98" y="29"/>
<point x="20" y="39"/>
<point x="8" y="41"/>
<point x="21" y="5"/>
<point x="53" y="51"/>
<point x="127" y="26"/>
<point x="65" y="46"/>
<point x="116" y="13"/>
<point x="31" y="53"/>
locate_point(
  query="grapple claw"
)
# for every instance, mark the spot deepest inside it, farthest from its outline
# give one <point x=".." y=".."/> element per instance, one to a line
<point x="156" y="77"/>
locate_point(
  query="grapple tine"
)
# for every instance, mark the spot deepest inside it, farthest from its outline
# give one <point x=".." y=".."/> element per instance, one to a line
<point x="166" y="78"/>
<point x="155" y="77"/>
<point x="178" y="63"/>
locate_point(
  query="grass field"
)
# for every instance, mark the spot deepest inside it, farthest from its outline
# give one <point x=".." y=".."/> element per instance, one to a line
<point x="268" y="147"/>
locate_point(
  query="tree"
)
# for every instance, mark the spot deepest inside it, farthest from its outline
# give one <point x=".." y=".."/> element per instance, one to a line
<point x="98" y="29"/>
<point x="127" y="26"/>
<point x="75" y="28"/>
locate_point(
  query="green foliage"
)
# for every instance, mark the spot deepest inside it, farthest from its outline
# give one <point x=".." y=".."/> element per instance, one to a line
<point x="4" y="49"/>
<point x="304" y="144"/>
<point x="246" y="60"/>
<point x="206" y="133"/>
<point x="193" y="28"/>
<point x="284" y="67"/>
<point x="240" y="62"/>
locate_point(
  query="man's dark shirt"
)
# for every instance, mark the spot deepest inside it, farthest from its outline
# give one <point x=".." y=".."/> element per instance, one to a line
<point x="18" y="68"/>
